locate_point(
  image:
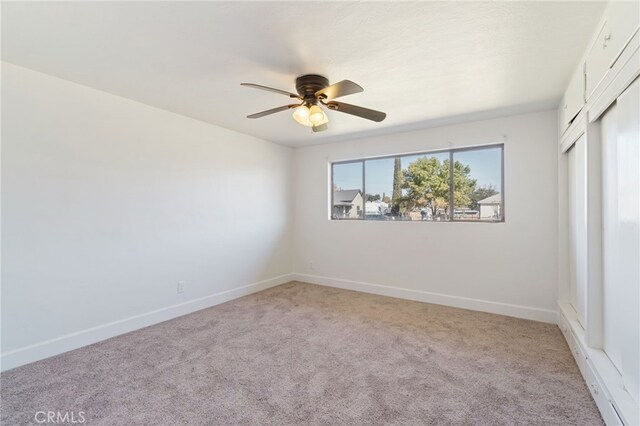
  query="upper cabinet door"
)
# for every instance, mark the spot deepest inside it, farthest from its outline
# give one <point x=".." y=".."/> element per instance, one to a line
<point x="621" y="22"/>
<point x="625" y="19"/>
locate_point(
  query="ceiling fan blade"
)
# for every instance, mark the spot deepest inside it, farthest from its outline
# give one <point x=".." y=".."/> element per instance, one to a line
<point x="320" y="128"/>
<point x="271" y="111"/>
<point x="271" y="89"/>
<point x="358" y="111"/>
<point x="341" y="88"/>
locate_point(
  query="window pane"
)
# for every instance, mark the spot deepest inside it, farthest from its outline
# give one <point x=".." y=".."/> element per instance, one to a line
<point x="477" y="183"/>
<point x="348" y="202"/>
<point x="379" y="186"/>
<point x="425" y="187"/>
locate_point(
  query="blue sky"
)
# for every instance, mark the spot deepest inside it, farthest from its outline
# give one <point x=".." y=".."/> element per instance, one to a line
<point x="485" y="167"/>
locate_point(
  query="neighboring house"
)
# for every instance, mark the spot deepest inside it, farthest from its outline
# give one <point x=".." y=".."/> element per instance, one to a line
<point x="490" y="207"/>
<point x="347" y="204"/>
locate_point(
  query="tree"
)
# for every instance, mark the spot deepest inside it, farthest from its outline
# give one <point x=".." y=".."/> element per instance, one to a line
<point x="426" y="180"/>
<point x="396" y="197"/>
<point x="463" y="184"/>
<point x="427" y="183"/>
<point x="371" y="197"/>
<point x="480" y="194"/>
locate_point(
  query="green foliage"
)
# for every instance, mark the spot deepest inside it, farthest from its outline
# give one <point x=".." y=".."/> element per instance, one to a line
<point x="463" y="185"/>
<point x="371" y="197"/>
<point x="426" y="179"/>
<point x="396" y="197"/>
<point x="427" y="182"/>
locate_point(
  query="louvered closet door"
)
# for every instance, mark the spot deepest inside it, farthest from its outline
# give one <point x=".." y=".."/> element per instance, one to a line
<point x="620" y="135"/>
<point x="576" y="163"/>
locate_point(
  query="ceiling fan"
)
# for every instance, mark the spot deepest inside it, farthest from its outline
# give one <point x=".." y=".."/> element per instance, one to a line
<point x="314" y="91"/>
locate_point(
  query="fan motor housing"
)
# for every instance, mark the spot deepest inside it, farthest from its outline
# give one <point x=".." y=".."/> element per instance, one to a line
<point x="307" y="86"/>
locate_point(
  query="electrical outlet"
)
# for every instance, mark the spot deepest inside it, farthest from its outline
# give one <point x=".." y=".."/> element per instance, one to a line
<point x="180" y="288"/>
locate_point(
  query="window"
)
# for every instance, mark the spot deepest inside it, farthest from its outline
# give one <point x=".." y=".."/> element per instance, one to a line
<point x="422" y="186"/>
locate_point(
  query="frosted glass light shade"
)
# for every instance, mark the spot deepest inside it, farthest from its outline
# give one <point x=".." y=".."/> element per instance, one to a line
<point x="301" y="115"/>
<point x="317" y="116"/>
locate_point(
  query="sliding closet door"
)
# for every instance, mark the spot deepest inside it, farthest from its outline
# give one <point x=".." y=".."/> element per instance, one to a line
<point x="620" y="128"/>
<point x="613" y="288"/>
<point x="577" y="174"/>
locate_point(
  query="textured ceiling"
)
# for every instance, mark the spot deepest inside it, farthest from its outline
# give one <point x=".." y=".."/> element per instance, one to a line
<point x="421" y="63"/>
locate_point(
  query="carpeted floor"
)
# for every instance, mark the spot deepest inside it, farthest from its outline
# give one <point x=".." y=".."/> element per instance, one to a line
<point x="304" y="354"/>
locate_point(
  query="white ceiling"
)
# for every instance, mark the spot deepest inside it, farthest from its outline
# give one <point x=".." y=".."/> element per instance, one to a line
<point x="421" y="63"/>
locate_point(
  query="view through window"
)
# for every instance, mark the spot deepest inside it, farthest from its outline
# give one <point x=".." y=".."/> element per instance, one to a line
<point x="422" y="187"/>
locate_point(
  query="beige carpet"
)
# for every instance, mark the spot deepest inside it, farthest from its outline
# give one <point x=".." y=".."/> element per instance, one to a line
<point x="303" y="354"/>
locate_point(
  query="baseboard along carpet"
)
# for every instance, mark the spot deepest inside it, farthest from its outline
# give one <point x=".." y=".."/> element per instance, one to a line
<point x="306" y="354"/>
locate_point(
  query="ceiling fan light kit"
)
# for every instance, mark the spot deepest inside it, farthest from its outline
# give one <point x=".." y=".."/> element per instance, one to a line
<point x="313" y="91"/>
<point x="310" y="116"/>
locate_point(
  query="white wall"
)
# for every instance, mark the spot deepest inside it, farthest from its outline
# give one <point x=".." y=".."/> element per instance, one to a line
<point x="508" y="268"/>
<point x="107" y="203"/>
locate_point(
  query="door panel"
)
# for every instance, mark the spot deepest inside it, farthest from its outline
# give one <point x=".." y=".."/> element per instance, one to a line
<point x="577" y="160"/>
<point x="612" y="291"/>
<point x="622" y="231"/>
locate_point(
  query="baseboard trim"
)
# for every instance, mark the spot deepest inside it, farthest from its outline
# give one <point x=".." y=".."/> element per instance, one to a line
<point x="518" y="311"/>
<point x="59" y="345"/>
